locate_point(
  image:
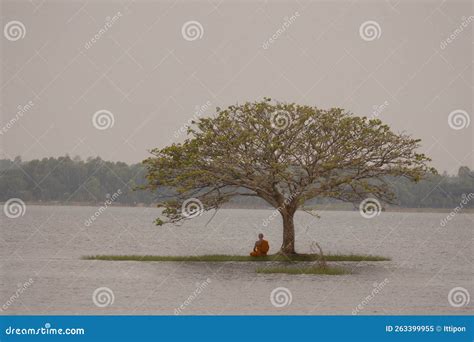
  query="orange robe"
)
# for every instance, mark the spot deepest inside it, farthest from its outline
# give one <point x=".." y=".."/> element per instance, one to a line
<point x="261" y="249"/>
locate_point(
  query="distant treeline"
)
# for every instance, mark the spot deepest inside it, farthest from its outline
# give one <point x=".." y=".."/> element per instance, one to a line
<point x="73" y="180"/>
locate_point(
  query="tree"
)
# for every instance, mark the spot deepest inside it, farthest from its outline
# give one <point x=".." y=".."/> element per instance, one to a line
<point x="284" y="153"/>
<point x="464" y="172"/>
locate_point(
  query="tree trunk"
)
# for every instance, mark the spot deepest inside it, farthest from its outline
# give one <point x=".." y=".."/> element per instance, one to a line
<point x="288" y="245"/>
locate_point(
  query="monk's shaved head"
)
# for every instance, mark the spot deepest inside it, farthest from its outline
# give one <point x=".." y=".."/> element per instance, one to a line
<point x="260" y="236"/>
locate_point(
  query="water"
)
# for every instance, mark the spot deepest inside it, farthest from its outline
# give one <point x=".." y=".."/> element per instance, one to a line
<point x="47" y="243"/>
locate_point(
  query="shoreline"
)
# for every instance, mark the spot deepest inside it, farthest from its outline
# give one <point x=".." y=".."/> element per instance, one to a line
<point x="392" y="209"/>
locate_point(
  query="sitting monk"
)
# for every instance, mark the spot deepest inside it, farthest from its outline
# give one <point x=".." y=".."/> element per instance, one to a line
<point x="261" y="247"/>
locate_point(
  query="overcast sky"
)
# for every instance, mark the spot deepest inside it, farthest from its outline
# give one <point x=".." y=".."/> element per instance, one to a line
<point x="147" y="66"/>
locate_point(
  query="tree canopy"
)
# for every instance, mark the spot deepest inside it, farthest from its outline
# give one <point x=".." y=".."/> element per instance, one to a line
<point x="285" y="154"/>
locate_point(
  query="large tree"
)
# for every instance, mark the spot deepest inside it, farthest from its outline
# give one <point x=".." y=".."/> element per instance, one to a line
<point x="285" y="154"/>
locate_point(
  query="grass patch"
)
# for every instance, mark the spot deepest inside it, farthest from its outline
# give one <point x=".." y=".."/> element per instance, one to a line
<point x="243" y="258"/>
<point x="303" y="270"/>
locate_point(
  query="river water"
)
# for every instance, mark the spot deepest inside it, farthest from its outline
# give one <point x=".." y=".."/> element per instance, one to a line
<point x="42" y="271"/>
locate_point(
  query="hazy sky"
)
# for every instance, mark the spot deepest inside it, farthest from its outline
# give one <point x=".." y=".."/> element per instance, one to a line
<point x="149" y="64"/>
